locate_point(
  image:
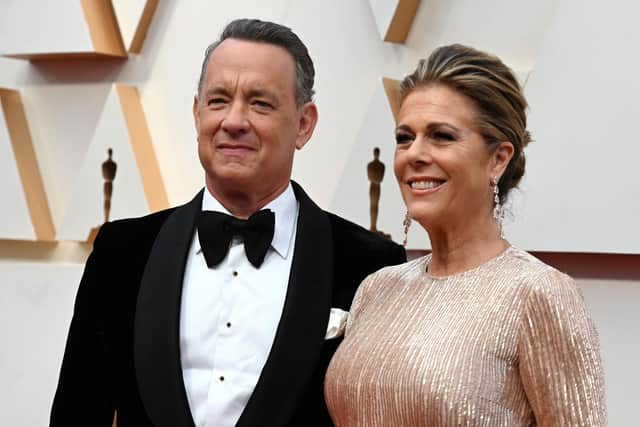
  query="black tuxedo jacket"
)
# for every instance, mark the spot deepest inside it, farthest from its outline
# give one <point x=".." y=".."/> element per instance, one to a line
<point x="123" y="354"/>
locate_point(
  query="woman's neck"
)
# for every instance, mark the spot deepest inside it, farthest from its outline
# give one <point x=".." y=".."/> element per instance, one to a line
<point x="457" y="250"/>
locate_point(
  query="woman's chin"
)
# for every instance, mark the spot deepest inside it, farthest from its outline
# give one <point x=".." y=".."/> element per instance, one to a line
<point x="424" y="214"/>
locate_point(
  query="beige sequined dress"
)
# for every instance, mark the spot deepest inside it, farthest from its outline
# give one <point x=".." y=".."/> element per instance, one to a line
<point x="508" y="343"/>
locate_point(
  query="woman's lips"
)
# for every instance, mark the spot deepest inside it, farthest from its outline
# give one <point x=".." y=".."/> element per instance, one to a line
<point x="424" y="186"/>
<point x="427" y="184"/>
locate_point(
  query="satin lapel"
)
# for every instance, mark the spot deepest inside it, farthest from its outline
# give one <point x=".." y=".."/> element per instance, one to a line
<point x="300" y="336"/>
<point x="157" y="333"/>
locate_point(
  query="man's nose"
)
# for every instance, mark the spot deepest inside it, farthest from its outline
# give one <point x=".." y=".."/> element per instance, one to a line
<point x="235" y="121"/>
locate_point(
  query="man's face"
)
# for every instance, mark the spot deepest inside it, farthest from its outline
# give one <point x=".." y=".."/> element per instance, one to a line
<point x="247" y="119"/>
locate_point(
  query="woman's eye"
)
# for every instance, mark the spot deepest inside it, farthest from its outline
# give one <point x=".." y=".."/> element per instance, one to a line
<point x="402" y="138"/>
<point x="443" y="136"/>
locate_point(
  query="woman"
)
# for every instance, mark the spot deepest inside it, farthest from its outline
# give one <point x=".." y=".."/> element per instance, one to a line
<point x="478" y="332"/>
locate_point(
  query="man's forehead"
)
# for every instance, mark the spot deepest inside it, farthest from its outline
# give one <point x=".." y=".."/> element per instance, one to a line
<point x="229" y="80"/>
<point x="239" y="50"/>
<point x="261" y="65"/>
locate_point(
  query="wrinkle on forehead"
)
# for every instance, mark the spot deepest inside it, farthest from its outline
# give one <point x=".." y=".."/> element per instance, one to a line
<point x="246" y="65"/>
<point x="438" y="104"/>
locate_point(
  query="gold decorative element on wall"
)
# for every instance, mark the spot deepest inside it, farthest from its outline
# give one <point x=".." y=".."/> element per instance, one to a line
<point x="142" y="146"/>
<point x="27" y="163"/>
<point x="120" y="133"/>
<point x="44" y="252"/>
<point x="91" y="29"/>
<point x="100" y="20"/>
<point x="394" y="18"/>
<point x="143" y="26"/>
<point x="103" y="28"/>
<point x="402" y="20"/>
<point x="392" y="90"/>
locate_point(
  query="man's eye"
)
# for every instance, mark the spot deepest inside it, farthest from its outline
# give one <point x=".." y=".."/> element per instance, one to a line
<point x="215" y="101"/>
<point x="402" y="138"/>
<point x="261" y="104"/>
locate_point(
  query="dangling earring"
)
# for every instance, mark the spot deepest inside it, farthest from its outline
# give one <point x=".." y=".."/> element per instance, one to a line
<point x="406" y="224"/>
<point x="498" y="212"/>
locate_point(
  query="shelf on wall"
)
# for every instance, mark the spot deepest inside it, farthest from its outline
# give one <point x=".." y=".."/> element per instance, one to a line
<point x="35" y="30"/>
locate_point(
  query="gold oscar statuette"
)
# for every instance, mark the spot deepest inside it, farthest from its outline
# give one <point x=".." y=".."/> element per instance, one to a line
<point x="375" y="173"/>
<point x="109" y="168"/>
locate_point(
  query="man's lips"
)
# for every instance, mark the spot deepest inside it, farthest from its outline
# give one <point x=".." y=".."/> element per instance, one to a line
<point x="234" y="148"/>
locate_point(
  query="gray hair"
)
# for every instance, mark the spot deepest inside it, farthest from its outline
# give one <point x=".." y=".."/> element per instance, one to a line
<point x="275" y="34"/>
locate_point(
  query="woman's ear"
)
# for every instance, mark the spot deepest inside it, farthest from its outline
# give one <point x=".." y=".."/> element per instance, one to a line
<point x="500" y="158"/>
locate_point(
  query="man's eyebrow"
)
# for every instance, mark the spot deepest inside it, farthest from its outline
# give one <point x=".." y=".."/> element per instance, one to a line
<point x="254" y="93"/>
<point x="217" y="90"/>
<point x="262" y="93"/>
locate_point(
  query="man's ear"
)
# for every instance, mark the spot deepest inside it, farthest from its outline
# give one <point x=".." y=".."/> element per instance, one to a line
<point x="196" y="117"/>
<point x="500" y="158"/>
<point x="306" y="124"/>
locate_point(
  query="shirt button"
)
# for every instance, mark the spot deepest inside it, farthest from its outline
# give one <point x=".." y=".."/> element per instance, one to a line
<point x="228" y="324"/>
<point x="235" y="273"/>
<point x="221" y="378"/>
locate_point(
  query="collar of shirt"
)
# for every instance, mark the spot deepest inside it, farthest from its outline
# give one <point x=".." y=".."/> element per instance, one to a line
<point x="285" y="208"/>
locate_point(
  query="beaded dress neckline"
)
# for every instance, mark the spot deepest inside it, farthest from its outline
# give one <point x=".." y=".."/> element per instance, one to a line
<point x="473" y="270"/>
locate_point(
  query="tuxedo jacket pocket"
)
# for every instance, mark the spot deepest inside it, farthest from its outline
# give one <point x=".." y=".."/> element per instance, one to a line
<point x="337" y="323"/>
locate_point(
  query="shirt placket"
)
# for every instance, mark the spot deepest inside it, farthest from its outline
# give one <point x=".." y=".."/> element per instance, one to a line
<point x="220" y="385"/>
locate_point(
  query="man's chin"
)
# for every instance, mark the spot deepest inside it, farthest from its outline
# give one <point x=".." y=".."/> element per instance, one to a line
<point x="236" y="180"/>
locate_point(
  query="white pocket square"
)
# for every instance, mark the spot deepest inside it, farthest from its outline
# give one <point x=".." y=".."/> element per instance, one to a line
<point x="337" y="323"/>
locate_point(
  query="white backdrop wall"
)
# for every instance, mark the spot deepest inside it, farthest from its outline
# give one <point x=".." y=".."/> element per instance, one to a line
<point x="570" y="65"/>
<point x="581" y="89"/>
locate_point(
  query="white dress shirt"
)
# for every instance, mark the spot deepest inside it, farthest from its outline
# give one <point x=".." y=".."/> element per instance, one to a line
<point x="229" y="316"/>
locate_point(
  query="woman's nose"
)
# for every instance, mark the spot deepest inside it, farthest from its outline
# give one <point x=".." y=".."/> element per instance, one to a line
<point x="420" y="151"/>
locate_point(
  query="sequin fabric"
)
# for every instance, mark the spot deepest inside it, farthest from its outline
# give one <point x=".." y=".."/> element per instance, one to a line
<point x="508" y="343"/>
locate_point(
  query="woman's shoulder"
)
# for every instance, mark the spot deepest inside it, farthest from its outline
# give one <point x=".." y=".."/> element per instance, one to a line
<point x="412" y="268"/>
<point x="538" y="276"/>
<point x="384" y="283"/>
<point x="395" y="275"/>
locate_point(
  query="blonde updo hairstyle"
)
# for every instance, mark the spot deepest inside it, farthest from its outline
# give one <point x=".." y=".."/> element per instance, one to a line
<point x="493" y="89"/>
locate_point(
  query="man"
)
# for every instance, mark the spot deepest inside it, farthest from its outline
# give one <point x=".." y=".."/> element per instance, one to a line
<point x="170" y="329"/>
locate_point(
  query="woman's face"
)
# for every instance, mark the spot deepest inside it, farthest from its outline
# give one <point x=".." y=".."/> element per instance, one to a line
<point x="442" y="163"/>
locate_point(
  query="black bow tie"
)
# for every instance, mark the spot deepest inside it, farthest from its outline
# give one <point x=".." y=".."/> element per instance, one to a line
<point x="216" y="229"/>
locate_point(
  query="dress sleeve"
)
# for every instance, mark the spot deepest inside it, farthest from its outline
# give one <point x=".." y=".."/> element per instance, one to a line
<point x="559" y="355"/>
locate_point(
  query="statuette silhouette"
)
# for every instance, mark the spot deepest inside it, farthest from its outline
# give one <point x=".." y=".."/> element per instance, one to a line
<point x="375" y="173"/>
<point x="109" y="168"/>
